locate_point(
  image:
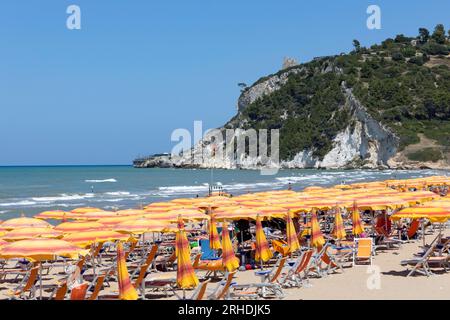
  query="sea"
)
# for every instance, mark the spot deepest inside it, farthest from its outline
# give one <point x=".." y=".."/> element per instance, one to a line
<point x="30" y="190"/>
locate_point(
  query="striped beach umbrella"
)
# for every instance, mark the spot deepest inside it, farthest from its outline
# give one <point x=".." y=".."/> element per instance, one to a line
<point x="214" y="239"/>
<point x="126" y="289"/>
<point x="79" y="226"/>
<point x="229" y="260"/>
<point x="87" y="238"/>
<point x="356" y="221"/>
<point x="439" y="214"/>
<point x="40" y="249"/>
<point x="113" y="221"/>
<point x="55" y="214"/>
<point x="339" y="230"/>
<point x="30" y="233"/>
<point x="317" y="239"/>
<point x="263" y="252"/>
<point x="82" y="210"/>
<point x="24" y="222"/>
<point x="140" y="226"/>
<point x="186" y="277"/>
<point x="291" y="234"/>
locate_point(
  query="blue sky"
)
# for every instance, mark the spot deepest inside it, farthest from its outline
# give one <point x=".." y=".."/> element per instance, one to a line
<point x="139" y="69"/>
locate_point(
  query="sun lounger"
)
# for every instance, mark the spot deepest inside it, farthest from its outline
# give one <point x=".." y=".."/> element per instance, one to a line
<point x="97" y="288"/>
<point x="59" y="292"/>
<point x="222" y="290"/>
<point x="28" y="284"/>
<point x="293" y="276"/>
<point x="424" y="264"/>
<point x="363" y="251"/>
<point x="79" y="292"/>
<point x="198" y="293"/>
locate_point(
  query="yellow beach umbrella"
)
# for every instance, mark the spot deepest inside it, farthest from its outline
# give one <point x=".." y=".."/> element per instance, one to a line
<point x="73" y="227"/>
<point x="263" y="252"/>
<point x="186" y="277"/>
<point x="40" y="249"/>
<point x="356" y="221"/>
<point x="229" y="259"/>
<point x="87" y="238"/>
<point x="126" y="289"/>
<point x="83" y="210"/>
<point x="214" y="239"/>
<point x="317" y="239"/>
<point x="56" y="215"/>
<point x="433" y="213"/>
<point x="140" y="226"/>
<point x="30" y="233"/>
<point x="339" y="230"/>
<point x="24" y="222"/>
<point x="291" y="234"/>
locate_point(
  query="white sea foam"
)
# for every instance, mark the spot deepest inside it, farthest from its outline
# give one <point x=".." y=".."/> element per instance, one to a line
<point x="64" y="197"/>
<point x="101" y="181"/>
<point x="119" y="193"/>
<point x="18" y="204"/>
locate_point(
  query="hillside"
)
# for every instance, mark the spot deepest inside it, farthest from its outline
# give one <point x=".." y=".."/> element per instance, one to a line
<point x="378" y="107"/>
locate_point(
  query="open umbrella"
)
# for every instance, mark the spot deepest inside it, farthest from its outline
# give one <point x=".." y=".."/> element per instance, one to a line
<point x="126" y="289"/>
<point x="30" y="233"/>
<point x="263" y="252"/>
<point x="229" y="260"/>
<point x="87" y="238"/>
<point x="72" y="227"/>
<point x="40" y="250"/>
<point x="24" y="222"/>
<point x="55" y="214"/>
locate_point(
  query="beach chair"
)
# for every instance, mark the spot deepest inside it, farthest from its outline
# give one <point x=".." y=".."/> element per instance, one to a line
<point x="316" y="266"/>
<point x="422" y="266"/>
<point x="271" y="276"/>
<point x="386" y="240"/>
<point x="147" y="261"/>
<point x="28" y="284"/>
<point x="59" y="292"/>
<point x="222" y="290"/>
<point x="413" y="229"/>
<point x="198" y="293"/>
<point x="97" y="288"/>
<point x="163" y="263"/>
<point x="363" y="251"/>
<point x="79" y="292"/>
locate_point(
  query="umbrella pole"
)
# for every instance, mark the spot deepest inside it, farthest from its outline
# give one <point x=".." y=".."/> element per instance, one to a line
<point x="423" y="232"/>
<point x="40" y="280"/>
<point x="93" y="259"/>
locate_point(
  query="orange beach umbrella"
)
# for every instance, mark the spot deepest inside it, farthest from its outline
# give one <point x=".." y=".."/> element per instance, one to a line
<point x="317" y="239"/>
<point x="126" y="289"/>
<point x="186" y="277"/>
<point x="263" y="252"/>
<point x="229" y="260"/>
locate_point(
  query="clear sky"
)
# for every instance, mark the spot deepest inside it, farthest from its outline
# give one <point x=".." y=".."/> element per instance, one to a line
<point x="137" y="70"/>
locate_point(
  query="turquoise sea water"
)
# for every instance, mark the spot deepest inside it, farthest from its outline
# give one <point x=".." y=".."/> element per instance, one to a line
<point x="30" y="190"/>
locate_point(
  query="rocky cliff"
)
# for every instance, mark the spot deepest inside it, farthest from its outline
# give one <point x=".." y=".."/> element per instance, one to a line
<point x="383" y="107"/>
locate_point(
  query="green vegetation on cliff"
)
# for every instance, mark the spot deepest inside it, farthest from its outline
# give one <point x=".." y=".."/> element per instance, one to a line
<point x="404" y="83"/>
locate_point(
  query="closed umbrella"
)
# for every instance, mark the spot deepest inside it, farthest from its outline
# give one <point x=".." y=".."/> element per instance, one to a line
<point x="186" y="277"/>
<point x="291" y="234"/>
<point x="317" y="239"/>
<point x="263" y="252"/>
<point x="214" y="239"/>
<point x="229" y="259"/>
<point x="339" y="230"/>
<point x="356" y="220"/>
<point x="126" y="289"/>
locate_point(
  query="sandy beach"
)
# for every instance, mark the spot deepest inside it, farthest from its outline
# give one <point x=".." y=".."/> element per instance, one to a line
<point x="351" y="284"/>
